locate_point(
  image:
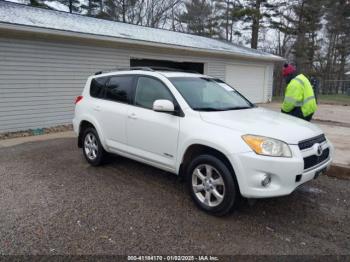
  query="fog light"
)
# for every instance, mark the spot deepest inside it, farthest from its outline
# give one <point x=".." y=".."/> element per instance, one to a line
<point x="266" y="181"/>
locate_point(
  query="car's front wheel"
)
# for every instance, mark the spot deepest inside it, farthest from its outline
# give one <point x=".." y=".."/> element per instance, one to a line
<point x="92" y="147"/>
<point x="212" y="185"/>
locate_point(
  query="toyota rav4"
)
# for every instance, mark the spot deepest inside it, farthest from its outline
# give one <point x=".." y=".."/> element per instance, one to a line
<point x="201" y="128"/>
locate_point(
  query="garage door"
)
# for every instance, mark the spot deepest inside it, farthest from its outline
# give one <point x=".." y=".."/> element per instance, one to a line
<point x="248" y="80"/>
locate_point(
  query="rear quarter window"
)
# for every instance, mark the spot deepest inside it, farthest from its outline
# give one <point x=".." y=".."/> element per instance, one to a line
<point x="97" y="86"/>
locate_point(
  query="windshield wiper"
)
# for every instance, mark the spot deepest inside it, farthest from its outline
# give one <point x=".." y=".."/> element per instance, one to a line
<point x="220" y="109"/>
<point x="236" y="108"/>
<point x="207" y="109"/>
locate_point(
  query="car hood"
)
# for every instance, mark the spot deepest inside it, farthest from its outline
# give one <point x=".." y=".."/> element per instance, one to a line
<point x="264" y="122"/>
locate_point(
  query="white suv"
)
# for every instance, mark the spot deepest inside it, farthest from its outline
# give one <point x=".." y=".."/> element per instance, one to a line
<point x="198" y="127"/>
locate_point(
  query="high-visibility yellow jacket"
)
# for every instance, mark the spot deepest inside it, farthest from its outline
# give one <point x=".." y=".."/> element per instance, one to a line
<point x="299" y="93"/>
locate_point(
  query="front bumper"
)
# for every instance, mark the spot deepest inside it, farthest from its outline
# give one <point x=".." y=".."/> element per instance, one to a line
<point x="251" y="169"/>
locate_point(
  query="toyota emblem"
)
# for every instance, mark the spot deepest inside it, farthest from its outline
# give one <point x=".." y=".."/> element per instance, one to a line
<point x="319" y="150"/>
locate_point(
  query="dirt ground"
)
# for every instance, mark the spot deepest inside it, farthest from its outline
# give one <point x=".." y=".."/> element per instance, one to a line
<point x="53" y="202"/>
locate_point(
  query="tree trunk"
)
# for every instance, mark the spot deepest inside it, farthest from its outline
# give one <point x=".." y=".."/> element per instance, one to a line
<point x="300" y="42"/>
<point x="327" y="72"/>
<point x="256" y="25"/>
<point x="227" y="18"/>
<point x="89" y="8"/>
<point x="342" y="72"/>
<point x="101" y="6"/>
<point x="124" y="11"/>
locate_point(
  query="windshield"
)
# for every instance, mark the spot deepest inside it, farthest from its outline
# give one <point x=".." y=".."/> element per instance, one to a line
<point x="208" y="94"/>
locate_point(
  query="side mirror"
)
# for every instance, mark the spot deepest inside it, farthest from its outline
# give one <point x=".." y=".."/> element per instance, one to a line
<point x="162" y="105"/>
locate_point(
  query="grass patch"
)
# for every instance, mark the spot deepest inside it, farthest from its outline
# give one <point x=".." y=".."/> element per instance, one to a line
<point x="277" y="99"/>
<point x="324" y="99"/>
<point x="335" y="99"/>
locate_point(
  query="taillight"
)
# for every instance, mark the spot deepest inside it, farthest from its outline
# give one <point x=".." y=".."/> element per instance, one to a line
<point x="77" y="99"/>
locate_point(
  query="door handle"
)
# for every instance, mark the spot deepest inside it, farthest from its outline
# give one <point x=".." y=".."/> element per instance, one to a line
<point x="97" y="108"/>
<point x="132" y="116"/>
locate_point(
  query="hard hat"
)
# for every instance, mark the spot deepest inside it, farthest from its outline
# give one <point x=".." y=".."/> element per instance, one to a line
<point x="288" y="69"/>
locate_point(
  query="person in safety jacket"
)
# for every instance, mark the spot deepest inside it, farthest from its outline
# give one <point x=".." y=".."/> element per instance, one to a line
<point x="299" y="98"/>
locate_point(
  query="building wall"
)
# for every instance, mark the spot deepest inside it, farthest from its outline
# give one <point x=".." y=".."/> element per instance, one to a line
<point x="39" y="79"/>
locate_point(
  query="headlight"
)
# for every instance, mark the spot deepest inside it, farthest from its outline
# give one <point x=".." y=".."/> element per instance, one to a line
<point x="267" y="146"/>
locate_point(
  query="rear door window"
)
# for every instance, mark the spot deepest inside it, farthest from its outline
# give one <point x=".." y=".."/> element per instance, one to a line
<point x="119" y="88"/>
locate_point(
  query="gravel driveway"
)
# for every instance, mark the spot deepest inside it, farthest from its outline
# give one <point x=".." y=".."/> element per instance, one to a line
<point x="53" y="202"/>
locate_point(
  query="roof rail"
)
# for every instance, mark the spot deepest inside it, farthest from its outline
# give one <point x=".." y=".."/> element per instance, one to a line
<point x="163" y="68"/>
<point x="147" y="68"/>
<point x="125" y="69"/>
<point x="171" y="69"/>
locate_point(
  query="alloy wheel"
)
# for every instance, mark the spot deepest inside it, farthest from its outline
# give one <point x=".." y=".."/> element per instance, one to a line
<point x="91" y="146"/>
<point x="208" y="185"/>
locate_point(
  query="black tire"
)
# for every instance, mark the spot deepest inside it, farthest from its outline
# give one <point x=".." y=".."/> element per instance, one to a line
<point x="101" y="154"/>
<point x="230" y="191"/>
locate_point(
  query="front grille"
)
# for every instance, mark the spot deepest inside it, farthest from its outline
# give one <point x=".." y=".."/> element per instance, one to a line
<point x="310" y="142"/>
<point x="314" y="160"/>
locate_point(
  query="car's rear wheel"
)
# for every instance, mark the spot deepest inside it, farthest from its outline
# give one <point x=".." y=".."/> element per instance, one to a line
<point x="212" y="185"/>
<point x="92" y="148"/>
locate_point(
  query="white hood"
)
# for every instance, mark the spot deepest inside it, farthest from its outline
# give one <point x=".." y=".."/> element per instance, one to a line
<point x="264" y="122"/>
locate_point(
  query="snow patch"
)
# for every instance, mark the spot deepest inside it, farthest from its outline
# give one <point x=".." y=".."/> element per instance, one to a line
<point x="37" y="17"/>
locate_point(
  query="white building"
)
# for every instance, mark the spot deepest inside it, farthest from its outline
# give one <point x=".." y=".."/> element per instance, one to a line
<point x="46" y="56"/>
